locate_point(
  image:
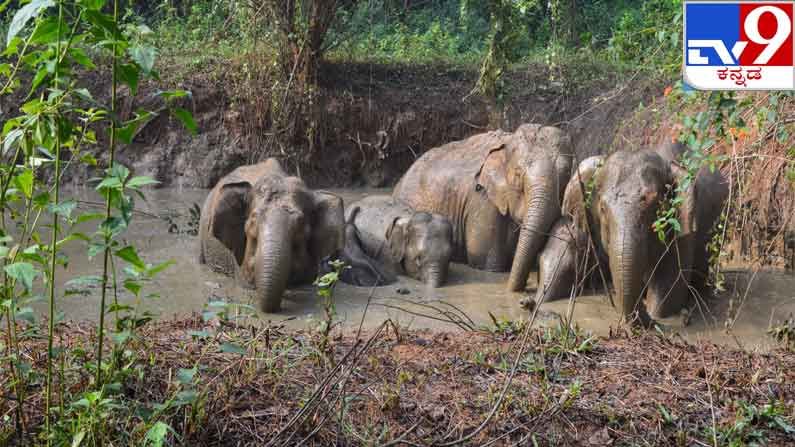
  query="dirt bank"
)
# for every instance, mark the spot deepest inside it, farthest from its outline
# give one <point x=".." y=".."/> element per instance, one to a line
<point x="376" y="119"/>
<point x="401" y="387"/>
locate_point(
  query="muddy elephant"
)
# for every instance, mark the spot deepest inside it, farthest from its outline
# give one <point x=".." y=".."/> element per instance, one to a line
<point x="414" y="243"/>
<point x="489" y="186"/>
<point x="671" y="287"/>
<point x="269" y="229"/>
<point x="620" y="197"/>
<point x="360" y="269"/>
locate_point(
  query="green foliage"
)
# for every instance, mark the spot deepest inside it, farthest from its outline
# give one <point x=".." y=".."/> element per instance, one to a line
<point x="751" y="422"/>
<point x="47" y="45"/>
<point x="784" y="333"/>
<point x="325" y="291"/>
<point x="649" y="37"/>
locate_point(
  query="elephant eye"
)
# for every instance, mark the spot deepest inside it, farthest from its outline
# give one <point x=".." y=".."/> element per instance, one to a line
<point x="478" y="187"/>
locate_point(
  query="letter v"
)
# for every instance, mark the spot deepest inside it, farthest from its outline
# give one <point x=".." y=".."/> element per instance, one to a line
<point x="738" y="49"/>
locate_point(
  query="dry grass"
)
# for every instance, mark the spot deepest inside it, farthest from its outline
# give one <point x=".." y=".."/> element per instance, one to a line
<point x="430" y="388"/>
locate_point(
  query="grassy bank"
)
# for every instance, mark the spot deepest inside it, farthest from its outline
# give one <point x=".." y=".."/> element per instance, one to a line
<point x="220" y="383"/>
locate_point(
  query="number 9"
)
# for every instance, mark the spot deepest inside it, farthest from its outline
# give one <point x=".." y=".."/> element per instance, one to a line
<point x="783" y="28"/>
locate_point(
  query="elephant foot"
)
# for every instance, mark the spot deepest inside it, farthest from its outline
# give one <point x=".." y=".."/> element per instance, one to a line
<point x="640" y="319"/>
<point x="528" y="303"/>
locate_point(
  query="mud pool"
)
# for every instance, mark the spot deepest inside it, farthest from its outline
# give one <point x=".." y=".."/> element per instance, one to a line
<point x="757" y="299"/>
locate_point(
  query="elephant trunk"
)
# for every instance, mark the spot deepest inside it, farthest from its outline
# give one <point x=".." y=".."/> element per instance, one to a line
<point x="543" y="208"/>
<point x="436" y="274"/>
<point x="273" y="261"/>
<point x="627" y="255"/>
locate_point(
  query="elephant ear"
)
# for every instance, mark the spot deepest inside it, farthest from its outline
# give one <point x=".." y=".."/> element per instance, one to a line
<point x="328" y="225"/>
<point x="229" y="217"/>
<point x="580" y="188"/>
<point x="397" y="238"/>
<point x="500" y="180"/>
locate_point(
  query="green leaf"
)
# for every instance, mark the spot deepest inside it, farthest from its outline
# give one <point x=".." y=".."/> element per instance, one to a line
<point x="23" y="272"/>
<point x="232" y="349"/>
<point x="129" y="254"/>
<point x="109" y="183"/>
<point x="41" y="75"/>
<point x="156" y="436"/>
<point x="24" y="182"/>
<point x="88" y="159"/>
<point x="127" y="132"/>
<point x="23" y="16"/>
<point x="133" y="286"/>
<point x="11" y="138"/>
<point x="169" y="95"/>
<point x="64" y="209"/>
<point x="137" y="182"/>
<point x="160" y="267"/>
<point x="186" y="397"/>
<point x="93" y="5"/>
<point x="79" y="55"/>
<point x="46" y="31"/>
<point x="185" y="376"/>
<point x="78" y="439"/>
<point x="186" y="118"/>
<point x="128" y="74"/>
<point x="144" y="56"/>
<point x="119" y="338"/>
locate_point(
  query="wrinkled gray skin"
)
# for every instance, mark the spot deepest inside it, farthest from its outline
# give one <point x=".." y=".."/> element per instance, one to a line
<point x="670" y="287"/>
<point x="488" y="186"/>
<point x="417" y="244"/>
<point x="360" y="269"/>
<point x="268" y="229"/>
<point x="626" y="193"/>
<point x="560" y="261"/>
<point x="564" y="262"/>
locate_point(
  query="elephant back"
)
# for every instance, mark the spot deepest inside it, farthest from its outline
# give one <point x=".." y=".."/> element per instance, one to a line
<point x="373" y="217"/>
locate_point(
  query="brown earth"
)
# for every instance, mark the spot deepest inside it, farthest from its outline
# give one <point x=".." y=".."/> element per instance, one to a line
<point x="375" y="120"/>
<point x="401" y="387"/>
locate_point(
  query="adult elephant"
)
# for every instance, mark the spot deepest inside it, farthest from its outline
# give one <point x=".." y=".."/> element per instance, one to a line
<point x="487" y="186"/>
<point x="620" y="197"/>
<point x="269" y="229"/>
<point x="685" y="267"/>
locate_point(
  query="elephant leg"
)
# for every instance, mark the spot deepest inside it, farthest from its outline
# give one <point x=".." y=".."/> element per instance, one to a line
<point x="485" y="244"/>
<point x="669" y="288"/>
<point x="700" y="274"/>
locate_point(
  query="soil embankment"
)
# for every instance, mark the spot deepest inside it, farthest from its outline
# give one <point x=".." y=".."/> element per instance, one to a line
<point x="375" y="121"/>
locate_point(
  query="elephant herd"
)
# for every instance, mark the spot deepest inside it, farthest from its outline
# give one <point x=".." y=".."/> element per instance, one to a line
<point x="497" y="201"/>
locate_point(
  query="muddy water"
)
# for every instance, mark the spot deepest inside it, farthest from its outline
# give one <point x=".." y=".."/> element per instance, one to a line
<point x="186" y="287"/>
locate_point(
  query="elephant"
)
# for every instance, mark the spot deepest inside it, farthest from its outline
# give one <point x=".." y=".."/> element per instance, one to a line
<point x="564" y="264"/>
<point x="360" y="269"/>
<point x="619" y="198"/>
<point x="415" y="243"/>
<point x="269" y="229"/>
<point x="670" y="288"/>
<point x="501" y="192"/>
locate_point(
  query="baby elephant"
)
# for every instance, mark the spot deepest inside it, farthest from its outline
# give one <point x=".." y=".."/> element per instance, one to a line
<point x="418" y="244"/>
<point x="360" y="269"/>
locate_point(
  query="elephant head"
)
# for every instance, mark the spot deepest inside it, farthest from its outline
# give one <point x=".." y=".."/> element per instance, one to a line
<point x="524" y="177"/>
<point x="422" y="245"/>
<point x="277" y="229"/>
<point x="629" y="190"/>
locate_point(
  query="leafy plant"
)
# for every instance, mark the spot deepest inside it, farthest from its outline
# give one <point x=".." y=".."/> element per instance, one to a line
<point x="325" y="291"/>
<point x="47" y="45"/>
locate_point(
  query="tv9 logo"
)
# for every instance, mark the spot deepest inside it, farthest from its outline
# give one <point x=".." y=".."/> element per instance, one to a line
<point x="738" y="45"/>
